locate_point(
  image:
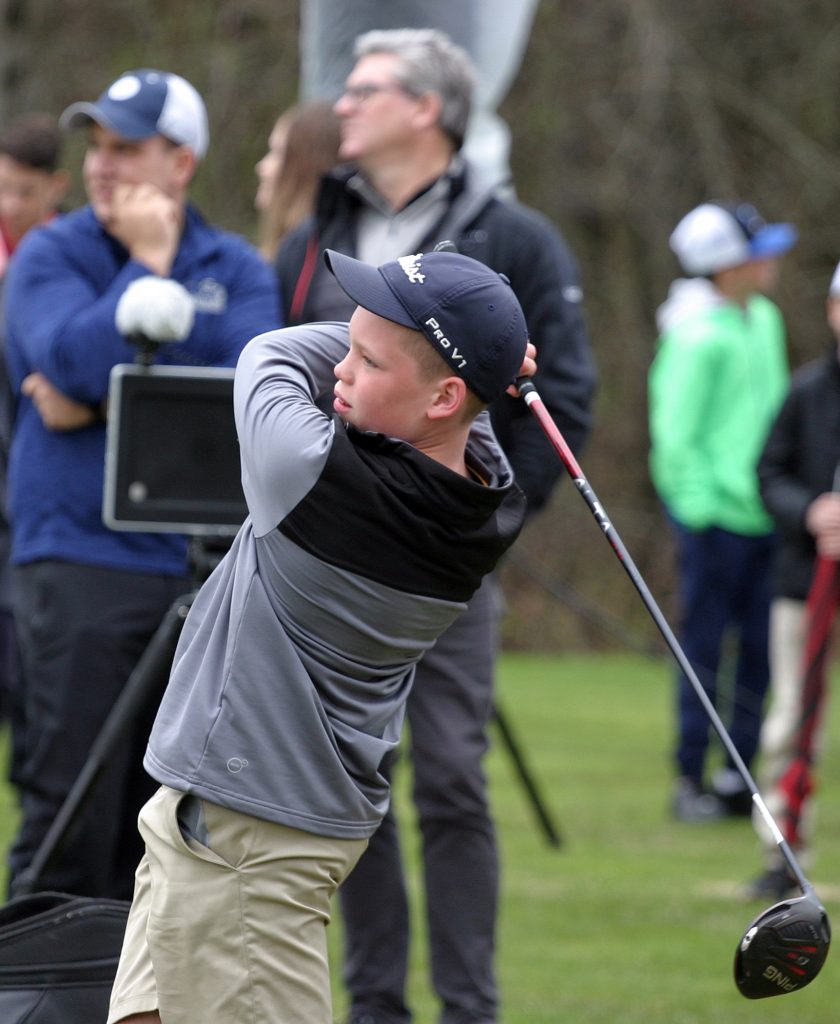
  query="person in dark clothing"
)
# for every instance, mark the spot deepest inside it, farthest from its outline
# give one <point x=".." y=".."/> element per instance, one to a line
<point x="799" y="479"/>
<point x="494" y="33"/>
<point x="405" y="187"/>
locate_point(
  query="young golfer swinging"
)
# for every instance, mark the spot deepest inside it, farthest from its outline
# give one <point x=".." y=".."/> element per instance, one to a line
<point x="367" y="534"/>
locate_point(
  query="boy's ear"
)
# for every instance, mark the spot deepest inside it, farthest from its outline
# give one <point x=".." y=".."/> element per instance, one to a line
<point x="449" y="398"/>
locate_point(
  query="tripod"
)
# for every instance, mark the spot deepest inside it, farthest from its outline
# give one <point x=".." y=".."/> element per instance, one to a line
<point x="538" y="805"/>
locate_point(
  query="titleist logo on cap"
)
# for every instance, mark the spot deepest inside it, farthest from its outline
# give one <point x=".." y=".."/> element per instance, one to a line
<point x="411" y="266"/>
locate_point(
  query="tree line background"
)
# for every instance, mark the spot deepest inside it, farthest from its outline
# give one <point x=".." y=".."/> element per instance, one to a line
<point x="624" y="115"/>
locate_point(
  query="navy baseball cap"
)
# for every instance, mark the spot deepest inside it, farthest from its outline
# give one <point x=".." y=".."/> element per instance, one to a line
<point x="145" y="103"/>
<point x="717" y="236"/>
<point x="467" y="311"/>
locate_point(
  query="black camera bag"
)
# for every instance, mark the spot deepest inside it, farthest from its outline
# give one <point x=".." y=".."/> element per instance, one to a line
<point x="58" y="957"/>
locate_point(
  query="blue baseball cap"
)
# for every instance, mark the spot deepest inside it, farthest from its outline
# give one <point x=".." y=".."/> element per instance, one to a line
<point x="718" y="236"/>
<point x="145" y="103"/>
<point x="467" y="311"/>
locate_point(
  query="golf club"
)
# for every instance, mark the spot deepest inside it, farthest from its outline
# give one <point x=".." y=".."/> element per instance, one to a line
<point x="784" y="948"/>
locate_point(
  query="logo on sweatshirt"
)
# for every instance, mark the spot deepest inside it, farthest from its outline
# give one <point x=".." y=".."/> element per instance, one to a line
<point x="210" y="296"/>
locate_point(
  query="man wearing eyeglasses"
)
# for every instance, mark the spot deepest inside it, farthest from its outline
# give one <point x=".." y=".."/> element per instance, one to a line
<point x="494" y="33"/>
<point x="406" y="186"/>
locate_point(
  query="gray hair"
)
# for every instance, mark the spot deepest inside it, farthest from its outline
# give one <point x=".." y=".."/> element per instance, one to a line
<point x="431" y="62"/>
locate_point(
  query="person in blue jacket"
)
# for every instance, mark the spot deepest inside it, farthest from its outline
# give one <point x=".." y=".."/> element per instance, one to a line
<point x="88" y="598"/>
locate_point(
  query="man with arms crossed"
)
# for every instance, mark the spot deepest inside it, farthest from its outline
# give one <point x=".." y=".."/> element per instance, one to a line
<point x="88" y="598"/>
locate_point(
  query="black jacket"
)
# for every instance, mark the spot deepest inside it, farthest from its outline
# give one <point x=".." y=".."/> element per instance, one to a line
<point x="798" y="464"/>
<point x="514" y="240"/>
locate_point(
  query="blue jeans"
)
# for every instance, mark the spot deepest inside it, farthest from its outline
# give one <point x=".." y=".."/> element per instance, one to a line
<point x="724" y="586"/>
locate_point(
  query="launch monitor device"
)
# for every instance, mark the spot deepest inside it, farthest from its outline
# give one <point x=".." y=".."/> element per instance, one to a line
<point x="172" y="454"/>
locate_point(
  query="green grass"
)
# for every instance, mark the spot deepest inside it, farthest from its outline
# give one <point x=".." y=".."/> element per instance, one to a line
<point x="635" y="919"/>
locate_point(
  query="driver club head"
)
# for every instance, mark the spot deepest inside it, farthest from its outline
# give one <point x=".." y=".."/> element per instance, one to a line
<point x="784" y="948"/>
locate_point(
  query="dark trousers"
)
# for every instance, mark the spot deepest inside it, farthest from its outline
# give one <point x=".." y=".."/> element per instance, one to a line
<point x="724" y="586"/>
<point x="448" y="712"/>
<point x="81" y="631"/>
<point x="12" y="692"/>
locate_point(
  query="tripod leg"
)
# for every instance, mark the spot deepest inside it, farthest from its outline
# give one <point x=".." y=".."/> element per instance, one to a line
<point x="153" y="663"/>
<point x="551" y="833"/>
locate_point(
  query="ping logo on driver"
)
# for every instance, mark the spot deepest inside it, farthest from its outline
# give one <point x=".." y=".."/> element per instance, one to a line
<point x="773" y="974"/>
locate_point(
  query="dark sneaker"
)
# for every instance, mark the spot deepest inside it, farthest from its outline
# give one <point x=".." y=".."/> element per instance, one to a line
<point x="388" y="1014"/>
<point x="733" y="793"/>
<point x="693" y="803"/>
<point x="774" y="885"/>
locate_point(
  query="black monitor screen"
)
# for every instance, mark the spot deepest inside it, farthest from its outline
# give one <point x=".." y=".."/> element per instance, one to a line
<point x="172" y="459"/>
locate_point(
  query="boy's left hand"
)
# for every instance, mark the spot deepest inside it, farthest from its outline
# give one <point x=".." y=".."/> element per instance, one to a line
<point x="528" y="368"/>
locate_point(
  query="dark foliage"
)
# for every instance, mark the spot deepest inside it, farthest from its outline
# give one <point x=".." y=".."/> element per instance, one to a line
<point x="626" y="113"/>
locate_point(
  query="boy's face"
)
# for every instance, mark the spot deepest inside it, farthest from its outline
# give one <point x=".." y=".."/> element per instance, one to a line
<point x="746" y="279"/>
<point x="766" y="274"/>
<point x="28" y="196"/>
<point x="379" y="384"/>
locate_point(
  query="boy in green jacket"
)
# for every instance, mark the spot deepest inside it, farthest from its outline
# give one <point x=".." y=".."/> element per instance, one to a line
<point x="717" y="381"/>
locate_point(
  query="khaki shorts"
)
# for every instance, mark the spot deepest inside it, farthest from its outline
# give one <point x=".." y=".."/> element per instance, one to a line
<point x="233" y="931"/>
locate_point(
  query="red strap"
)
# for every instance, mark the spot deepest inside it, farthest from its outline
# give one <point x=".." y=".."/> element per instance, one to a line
<point x="797" y="784"/>
<point x="304" y="281"/>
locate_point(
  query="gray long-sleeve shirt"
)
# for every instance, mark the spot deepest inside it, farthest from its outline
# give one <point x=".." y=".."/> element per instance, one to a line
<point x="292" y="671"/>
